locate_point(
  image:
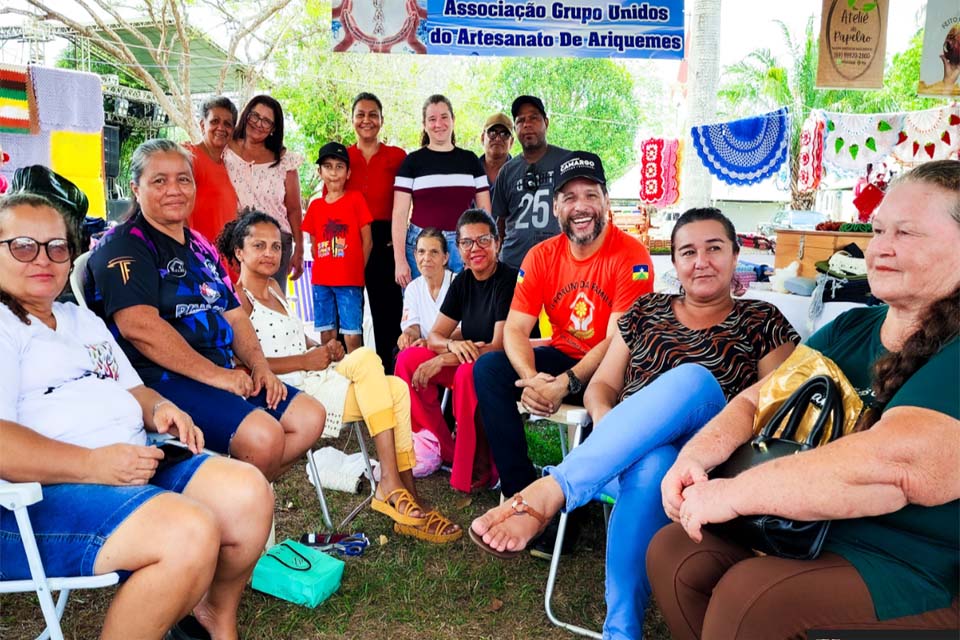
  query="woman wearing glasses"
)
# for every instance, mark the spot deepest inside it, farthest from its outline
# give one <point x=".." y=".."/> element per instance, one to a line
<point x="73" y="417"/>
<point x="478" y="299"/>
<point x="264" y="175"/>
<point x="439" y="180"/>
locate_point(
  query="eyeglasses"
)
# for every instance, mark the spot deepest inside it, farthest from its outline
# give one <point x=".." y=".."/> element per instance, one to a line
<point x="484" y="241"/>
<point x="258" y="120"/>
<point x="24" y="249"/>
<point x="531" y="179"/>
<point x="503" y="134"/>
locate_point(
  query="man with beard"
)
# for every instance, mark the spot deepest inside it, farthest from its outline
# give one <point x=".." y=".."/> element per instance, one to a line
<point x="584" y="279"/>
<point x="523" y="193"/>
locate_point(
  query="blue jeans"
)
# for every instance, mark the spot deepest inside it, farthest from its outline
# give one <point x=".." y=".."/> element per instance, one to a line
<point x="73" y="521"/>
<point x="494" y="379"/>
<point x="635" y="445"/>
<point x="455" y="262"/>
<point x="345" y="303"/>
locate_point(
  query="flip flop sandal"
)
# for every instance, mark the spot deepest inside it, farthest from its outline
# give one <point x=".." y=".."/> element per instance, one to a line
<point x="398" y="509"/>
<point x="436" y="523"/>
<point x="519" y="507"/>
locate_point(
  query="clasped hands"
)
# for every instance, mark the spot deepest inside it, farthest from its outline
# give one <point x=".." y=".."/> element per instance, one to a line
<point x="693" y="500"/>
<point x="543" y="393"/>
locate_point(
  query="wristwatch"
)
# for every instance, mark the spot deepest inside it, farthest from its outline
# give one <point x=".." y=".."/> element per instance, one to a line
<point x="574" y="385"/>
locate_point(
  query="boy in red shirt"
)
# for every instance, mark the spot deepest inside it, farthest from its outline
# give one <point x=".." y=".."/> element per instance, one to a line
<point x="339" y="228"/>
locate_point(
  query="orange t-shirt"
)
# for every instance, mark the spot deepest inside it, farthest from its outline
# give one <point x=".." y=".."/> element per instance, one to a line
<point x="580" y="295"/>
<point x="216" y="202"/>
<point x="334" y="230"/>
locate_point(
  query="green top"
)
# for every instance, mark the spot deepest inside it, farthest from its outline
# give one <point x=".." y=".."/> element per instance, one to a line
<point x="909" y="559"/>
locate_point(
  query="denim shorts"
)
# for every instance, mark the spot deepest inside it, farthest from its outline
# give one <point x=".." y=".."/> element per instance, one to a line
<point x="330" y="302"/>
<point x="217" y="412"/>
<point x="455" y="262"/>
<point x="73" y="521"/>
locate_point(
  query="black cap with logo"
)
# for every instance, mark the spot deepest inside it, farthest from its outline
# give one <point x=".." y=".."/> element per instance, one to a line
<point x="333" y="150"/>
<point x="579" y="164"/>
<point x="522" y="100"/>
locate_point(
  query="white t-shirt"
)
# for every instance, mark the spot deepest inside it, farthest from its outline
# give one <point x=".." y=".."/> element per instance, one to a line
<point x="421" y="309"/>
<point x="70" y="384"/>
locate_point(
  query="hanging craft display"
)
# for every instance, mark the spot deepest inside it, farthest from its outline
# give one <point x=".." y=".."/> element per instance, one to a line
<point x="14" y="105"/>
<point x="659" y="171"/>
<point x="744" y="151"/>
<point x="855" y="140"/>
<point x="378" y="25"/>
<point x="67" y="100"/>
<point x="810" y="153"/>
<point x="932" y="134"/>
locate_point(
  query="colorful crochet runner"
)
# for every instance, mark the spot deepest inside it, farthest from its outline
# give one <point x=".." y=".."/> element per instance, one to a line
<point x="855" y="140"/>
<point x="744" y="151"/>
<point x="659" y="171"/>
<point x="810" y="156"/>
<point x="933" y="134"/>
<point x="14" y="108"/>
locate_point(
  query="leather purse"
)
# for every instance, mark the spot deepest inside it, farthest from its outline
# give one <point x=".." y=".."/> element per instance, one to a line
<point x="775" y="535"/>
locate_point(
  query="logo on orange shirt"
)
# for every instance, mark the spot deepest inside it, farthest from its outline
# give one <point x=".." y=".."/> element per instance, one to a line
<point x="581" y="317"/>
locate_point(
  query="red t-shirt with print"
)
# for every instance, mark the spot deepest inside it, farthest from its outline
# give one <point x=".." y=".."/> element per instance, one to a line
<point x="580" y="295"/>
<point x="334" y="230"/>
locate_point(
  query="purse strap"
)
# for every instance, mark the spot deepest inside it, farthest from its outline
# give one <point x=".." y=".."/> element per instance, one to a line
<point x="794" y="407"/>
<point x="297" y="553"/>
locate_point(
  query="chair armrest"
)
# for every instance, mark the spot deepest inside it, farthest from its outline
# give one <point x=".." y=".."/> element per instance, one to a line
<point x="20" y="494"/>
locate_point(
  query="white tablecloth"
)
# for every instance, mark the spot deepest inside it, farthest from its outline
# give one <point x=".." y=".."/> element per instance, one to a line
<point x="796" y="309"/>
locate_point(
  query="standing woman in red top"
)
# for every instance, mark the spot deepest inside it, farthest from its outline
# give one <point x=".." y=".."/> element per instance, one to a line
<point x="373" y="168"/>
<point x="216" y="200"/>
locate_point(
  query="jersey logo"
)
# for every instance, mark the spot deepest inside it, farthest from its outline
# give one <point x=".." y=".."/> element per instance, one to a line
<point x="520" y="275"/>
<point x="176" y="268"/>
<point x="641" y="272"/>
<point x="123" y="264"/>
<point x="212" y="268"/>
<point x="581" y="316"/>
<point x="209" y="294"/>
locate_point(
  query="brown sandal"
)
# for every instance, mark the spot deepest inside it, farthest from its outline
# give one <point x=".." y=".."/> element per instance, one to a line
<point x="398" y="510"/>
<point x="519" y="507"/>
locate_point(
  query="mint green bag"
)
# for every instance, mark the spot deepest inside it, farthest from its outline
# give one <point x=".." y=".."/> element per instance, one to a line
<point x="297" y="573"/>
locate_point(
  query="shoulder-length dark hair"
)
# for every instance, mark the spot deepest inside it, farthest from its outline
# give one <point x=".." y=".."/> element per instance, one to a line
<point x="274" y="141"/>
<point x="235" y="232"/>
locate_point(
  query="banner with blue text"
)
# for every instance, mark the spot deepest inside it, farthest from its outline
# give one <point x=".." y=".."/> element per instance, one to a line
<point x="544" y="28"/>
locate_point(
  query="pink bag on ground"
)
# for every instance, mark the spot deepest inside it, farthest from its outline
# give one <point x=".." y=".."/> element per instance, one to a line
<point x="427" y="449"/>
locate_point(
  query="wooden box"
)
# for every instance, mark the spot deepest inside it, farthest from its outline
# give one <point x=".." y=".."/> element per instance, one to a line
<point x="810" y="247"/>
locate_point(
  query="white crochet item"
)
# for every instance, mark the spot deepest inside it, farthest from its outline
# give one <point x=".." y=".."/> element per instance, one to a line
<point x="843" y="262"/>
<point x="339" y="471"/>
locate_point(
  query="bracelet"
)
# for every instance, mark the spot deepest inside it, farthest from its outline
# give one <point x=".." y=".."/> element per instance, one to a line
<point x="157" y="406"/>
<point x="448" y="346"/>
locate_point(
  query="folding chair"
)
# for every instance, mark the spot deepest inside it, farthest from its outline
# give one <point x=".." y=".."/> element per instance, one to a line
<point x="78" y="278"/>
<point x="581" y="420"/>
<point x="357" y="430"/>
<point x="17" y="497"/>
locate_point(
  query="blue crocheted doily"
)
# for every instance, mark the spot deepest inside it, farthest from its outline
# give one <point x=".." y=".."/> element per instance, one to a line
<point x="744" y="151"/>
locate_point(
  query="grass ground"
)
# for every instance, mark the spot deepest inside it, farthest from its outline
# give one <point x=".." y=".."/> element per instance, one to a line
<point x="400" y="589"/>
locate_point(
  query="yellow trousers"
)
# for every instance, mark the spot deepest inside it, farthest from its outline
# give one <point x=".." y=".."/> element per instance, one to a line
<point x="381" y="401"/>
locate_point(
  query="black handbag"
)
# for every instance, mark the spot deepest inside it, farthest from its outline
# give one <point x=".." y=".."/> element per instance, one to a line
<point x="774" y="535"/>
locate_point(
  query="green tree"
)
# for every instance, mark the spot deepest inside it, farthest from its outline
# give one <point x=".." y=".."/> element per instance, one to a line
<point x="590" y="102"/>
<point x="761" y="81"/>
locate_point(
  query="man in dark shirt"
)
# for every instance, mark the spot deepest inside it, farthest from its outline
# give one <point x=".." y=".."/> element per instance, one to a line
<point x="523" y="195"/>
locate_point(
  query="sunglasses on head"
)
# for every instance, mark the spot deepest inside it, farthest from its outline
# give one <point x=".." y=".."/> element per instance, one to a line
<point x="531" y="179"/>
<point x="24" y="249"/>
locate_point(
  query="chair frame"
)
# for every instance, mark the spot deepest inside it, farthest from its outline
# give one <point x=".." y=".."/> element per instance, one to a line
<point x="558" y="544"/>
<point x="17" y="497"/>
<point x="357" y="430"/>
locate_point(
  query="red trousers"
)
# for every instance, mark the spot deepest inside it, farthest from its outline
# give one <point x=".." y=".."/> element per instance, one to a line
<point x="426" y="414"/>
